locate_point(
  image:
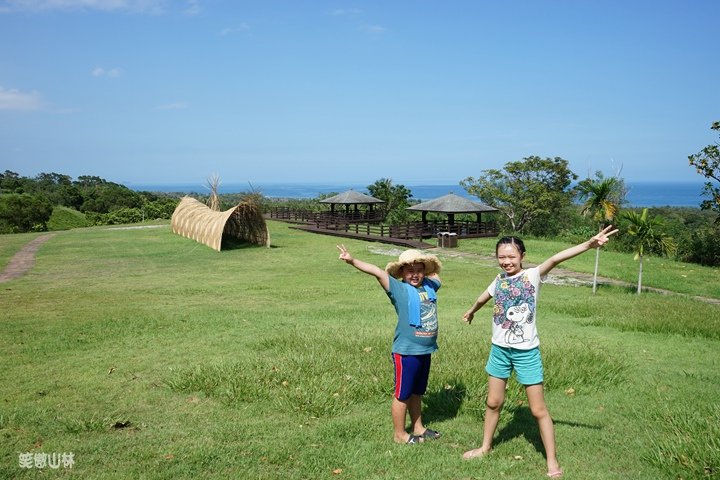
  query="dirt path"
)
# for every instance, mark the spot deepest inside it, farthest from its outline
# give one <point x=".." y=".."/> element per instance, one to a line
<point x="23" y="260"/>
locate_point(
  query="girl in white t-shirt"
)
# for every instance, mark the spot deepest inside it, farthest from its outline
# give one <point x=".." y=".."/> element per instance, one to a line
<point x="515" y="343"/>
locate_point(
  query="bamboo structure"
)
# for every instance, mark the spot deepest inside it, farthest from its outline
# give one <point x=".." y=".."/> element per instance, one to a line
<point x="213" y="183"/>
<point x="197" y="221"/>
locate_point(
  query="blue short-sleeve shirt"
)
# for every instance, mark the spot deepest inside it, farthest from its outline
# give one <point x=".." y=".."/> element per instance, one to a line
<point x="411" y="340"/>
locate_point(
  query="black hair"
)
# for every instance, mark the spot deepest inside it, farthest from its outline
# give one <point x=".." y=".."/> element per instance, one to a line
<point x="511" y="241"/>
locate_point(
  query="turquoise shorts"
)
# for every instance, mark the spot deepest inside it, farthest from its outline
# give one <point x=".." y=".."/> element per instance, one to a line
<point x="526" y="363"/>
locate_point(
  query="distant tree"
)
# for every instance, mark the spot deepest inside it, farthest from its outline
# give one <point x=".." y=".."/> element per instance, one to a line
<point x="49" y="180"/>
<point x="648" y="237"/>
<point x="602" y="198"/>
<point x="86" y="181"/>
<point x="525" y="190"/>
<point x="104" y="197"/>
<point x="22" y="212"/>
<point x="707" y="164"/>
<point x="396" y="198"/>
<point x="59" y="189"/>
<point x="11" y="182"/>
<point x="70" y="196"/>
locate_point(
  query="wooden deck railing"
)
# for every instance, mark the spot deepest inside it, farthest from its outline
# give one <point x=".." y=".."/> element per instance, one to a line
<point x="351" y="224"/>
<point x="293" y="215"/>
<point x="410" y="231"/>
<point x="287" y="214"/>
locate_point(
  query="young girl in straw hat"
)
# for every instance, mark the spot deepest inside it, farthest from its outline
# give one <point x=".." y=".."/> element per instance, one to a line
<point x="411" y="284"/>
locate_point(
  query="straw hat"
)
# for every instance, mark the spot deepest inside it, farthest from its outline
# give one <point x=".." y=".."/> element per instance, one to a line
<point x="408" y="257"/>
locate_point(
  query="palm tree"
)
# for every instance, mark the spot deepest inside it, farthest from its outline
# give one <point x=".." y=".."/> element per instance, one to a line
<point x="602" y="202"/>
<point x="649" y="238"/>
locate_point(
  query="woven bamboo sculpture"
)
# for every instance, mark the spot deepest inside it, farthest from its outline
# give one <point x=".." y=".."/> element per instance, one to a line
<point x="195" y="220"/>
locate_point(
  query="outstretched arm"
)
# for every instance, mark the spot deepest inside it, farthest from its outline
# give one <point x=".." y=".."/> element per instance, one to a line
<point x="597" y="241"/>
<point x="377" y="272"/>
<point x="481" y="300"/>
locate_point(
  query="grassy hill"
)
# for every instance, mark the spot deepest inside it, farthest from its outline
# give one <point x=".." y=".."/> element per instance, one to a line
<point x="64" y="218"/>
<point x="148" y="355"/>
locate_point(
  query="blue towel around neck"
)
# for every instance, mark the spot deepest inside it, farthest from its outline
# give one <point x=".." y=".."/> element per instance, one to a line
<point x="414" y="301"/>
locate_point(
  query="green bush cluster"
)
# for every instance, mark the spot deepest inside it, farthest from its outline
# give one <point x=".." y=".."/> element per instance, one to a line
<point x="20" y="212"/>
<point x="27" y="204"/>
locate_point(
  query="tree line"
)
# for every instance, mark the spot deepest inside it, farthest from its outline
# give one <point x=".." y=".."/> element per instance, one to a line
<point x="27" y="204"/>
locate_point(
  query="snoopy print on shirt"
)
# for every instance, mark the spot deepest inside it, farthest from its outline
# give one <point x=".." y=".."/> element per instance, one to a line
<point x="514" y="312"/>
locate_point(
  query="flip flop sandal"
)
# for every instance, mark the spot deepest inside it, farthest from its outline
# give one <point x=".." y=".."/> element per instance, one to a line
<point x="555" y="474"/>
<point x="413" y="439"/>
<point x="431" y="434"/>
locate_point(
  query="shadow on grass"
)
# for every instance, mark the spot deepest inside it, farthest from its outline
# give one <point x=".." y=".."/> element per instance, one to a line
<point x="576" y="424"/>
<point x="444" y="403"/>
<point x="230" y="243"/>
<point x="523" y="424"/>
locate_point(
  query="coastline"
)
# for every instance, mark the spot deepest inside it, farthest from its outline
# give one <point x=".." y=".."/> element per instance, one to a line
<point x="640" y="194"/>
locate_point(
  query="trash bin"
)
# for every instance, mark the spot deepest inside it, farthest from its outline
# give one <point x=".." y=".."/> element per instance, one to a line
<point x="447" y="240"/>
<point x="441" y="238"/>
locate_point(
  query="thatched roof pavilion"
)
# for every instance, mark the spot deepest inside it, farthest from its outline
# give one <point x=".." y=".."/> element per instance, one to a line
<point x="195" y="220"/>
<point x="351" y="197"/>
<point x="451" y="204"/>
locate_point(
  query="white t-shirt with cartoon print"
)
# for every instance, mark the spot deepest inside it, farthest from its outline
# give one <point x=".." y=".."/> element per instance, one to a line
<point x="514" y="315"/>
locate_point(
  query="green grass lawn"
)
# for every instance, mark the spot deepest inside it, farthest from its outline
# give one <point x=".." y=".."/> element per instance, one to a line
<point x="658" y="272"/>
<point x="148" y="355"/>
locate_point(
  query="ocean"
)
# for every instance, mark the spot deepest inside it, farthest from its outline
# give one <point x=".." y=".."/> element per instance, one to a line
<point x="640" y="194"/>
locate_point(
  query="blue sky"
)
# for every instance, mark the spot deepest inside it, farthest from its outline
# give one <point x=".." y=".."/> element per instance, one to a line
<point x="422" y="92"/>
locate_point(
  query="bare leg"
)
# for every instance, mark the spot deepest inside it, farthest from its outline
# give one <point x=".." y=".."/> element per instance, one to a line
<point x="536" y="399"/>
<point x="415" y="408"/>
<point x="399" y="413"/>
<point x="495" y="400"/>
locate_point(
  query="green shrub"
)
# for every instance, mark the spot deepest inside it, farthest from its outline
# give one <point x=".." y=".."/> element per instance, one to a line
<point x="24" y="213"/>
<point x="703" y="247"/>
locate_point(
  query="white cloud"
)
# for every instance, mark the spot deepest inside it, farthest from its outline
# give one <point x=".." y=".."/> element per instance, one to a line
<point x="373" y="29"/>
<point x="101" y="72"/>
<point x="173" y="106"/>
<point x="243" y="27"/>
<point x="16" y="100"/>
<point x="192" y="7"/>
<point x="146" y="6"/>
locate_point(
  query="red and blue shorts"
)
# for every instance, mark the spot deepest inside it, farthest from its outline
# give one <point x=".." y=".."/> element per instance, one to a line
<point x="411" y="374"/>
